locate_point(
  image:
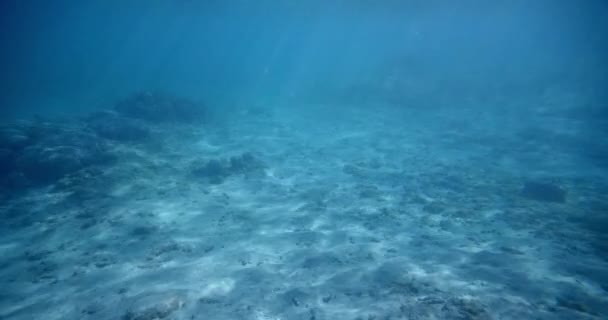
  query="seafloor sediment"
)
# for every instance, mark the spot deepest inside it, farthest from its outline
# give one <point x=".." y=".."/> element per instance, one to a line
<point x="297" y="213"/>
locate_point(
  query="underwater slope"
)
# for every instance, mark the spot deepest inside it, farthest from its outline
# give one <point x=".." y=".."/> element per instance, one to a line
<point x="295" y="214"/>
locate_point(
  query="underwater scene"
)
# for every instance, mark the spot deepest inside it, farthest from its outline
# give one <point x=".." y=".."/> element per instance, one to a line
<point x="303" y="159"/>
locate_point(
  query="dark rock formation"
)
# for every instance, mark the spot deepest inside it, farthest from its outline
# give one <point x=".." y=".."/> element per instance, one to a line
<point x="41" y="152"/>
<point x="37" y="152"/>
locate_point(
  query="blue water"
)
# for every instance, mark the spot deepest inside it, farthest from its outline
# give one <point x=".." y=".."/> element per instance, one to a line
<point x="303" y="159"/>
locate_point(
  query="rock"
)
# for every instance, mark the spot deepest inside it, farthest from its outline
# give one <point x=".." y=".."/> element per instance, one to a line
<point x="161" y="108"/>
<point x="541" y="191"/>
<point x="41" y="152"/>
<point x="60" y="151"/>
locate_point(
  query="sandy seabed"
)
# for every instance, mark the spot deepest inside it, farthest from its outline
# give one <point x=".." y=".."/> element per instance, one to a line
<point x="359" y="215"/>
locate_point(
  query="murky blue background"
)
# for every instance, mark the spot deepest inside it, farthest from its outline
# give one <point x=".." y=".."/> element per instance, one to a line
<point x="70" y="56"/>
